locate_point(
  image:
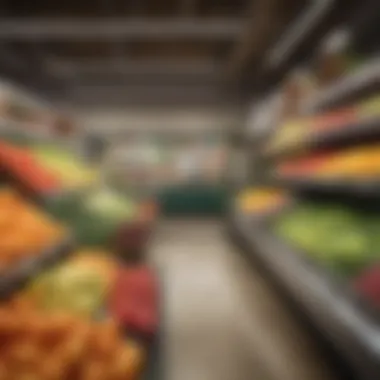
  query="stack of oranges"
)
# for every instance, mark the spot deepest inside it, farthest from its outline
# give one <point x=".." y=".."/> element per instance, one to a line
<point x="40" y="346"/>
<point x="25" y="231"/>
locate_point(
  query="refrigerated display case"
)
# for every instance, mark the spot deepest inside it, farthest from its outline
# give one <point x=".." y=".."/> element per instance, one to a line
<point x="323" y="248"/>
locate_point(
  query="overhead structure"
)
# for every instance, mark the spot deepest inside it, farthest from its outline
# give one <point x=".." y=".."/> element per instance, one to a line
<point x="309" y="19"/>
<point x="133" y="67"/>
<point x="267" y="19"/>
<point x="119" y="28"/>
<point x="108" y="44"/>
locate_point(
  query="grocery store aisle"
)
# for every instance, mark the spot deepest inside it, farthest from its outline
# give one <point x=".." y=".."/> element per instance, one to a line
<point x="222" y="322"/>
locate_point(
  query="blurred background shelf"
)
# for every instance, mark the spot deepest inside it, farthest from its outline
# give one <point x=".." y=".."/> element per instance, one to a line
<point x="355" y="188"/>
<point x="346" y="133"/>
<point x="362" y="82"/>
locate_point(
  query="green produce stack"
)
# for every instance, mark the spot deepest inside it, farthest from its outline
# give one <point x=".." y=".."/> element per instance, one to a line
<point x="338" y="237"/>
<point x="94" y="216"/>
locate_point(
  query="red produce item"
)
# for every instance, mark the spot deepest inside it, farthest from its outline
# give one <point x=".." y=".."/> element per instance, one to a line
<point x="21" y="165"/>
<point x="303" y="166"/>
<point x="133" y="300"/>
<point x="368" y="285"/>
<point x="334" y="120"/>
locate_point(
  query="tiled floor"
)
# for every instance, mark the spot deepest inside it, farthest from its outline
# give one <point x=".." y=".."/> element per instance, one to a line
<point x="223" y="322"/>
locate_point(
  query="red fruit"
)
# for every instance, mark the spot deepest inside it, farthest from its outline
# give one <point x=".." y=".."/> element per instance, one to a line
<point x="133" y="300"/>
<point x="304" y="165"/>
<point x="368" y="285"/>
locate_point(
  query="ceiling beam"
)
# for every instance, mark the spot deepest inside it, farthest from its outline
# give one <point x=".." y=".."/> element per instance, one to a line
<point x="267" y="19"/>
<point x="253" y="35"/>
<point x="119" y="28"/>
<point x="8" y="57"/>
<point x="296" y="34"/>
<point x="132" y="67"/>
<point x="148" y="94"/>
<point x="16" y="67"/>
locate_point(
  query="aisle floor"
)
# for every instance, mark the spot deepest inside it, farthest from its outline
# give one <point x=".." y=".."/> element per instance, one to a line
<point x="221" y="320"/>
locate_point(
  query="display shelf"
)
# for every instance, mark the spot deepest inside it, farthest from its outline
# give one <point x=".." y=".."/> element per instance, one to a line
<point x="330" y="306"/>
<point x="359" y="188"/>
<point x="13" y="279"/>
<point x="155" y="365"/>
<point x="364" y="81"/>
<point x="153" y="371"/>
<point x="358" y="130"/>
<point x="30" y="129"/>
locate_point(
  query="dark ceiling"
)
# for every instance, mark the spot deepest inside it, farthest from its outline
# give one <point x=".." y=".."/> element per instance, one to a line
<point x="84" y="51"/>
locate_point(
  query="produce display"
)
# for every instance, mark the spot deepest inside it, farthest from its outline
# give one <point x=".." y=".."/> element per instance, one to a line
<point x="96" y="216"/>
<point x="253" y="201"/>
<point x="86" y="317"/>
<point x="40" y="346"/>
<point x="21" y="166"/>
<point x="78" y="286"/>
<point x="83" y="314"/>
<point x="25" y="230"/>
<point x="361" y="162"/>
<point x="70" y="170"/>
<point x="323" y="249"/>
<point x="296" y="132"/>
<point x="339" y="237"/>
<point x="105" y="203"/>
<point x="133" y="300"/>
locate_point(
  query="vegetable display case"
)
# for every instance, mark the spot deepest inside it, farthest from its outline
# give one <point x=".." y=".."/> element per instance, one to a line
<point x="88" y="230"/>
<point x="335" y="310"/>
<point x="53" y="296"/>
<point x="331" y="144"/>
<point x="25" y="165"/>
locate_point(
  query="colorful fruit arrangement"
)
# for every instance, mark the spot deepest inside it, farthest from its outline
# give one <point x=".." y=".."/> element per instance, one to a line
<point x="79" y="286"/>
<point x="362" y="162"/>
<point x="25" y="231"/>
<point x="92" y="281"/>
<point x="53" y="328"/>
<point x="40" y="346"/>
<point x="20" y="165"/>
<point x="71" y="171"/>
<point x="76" y="319"/>
<point x="260" y="200"/>
<point x="295" y="132"/>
